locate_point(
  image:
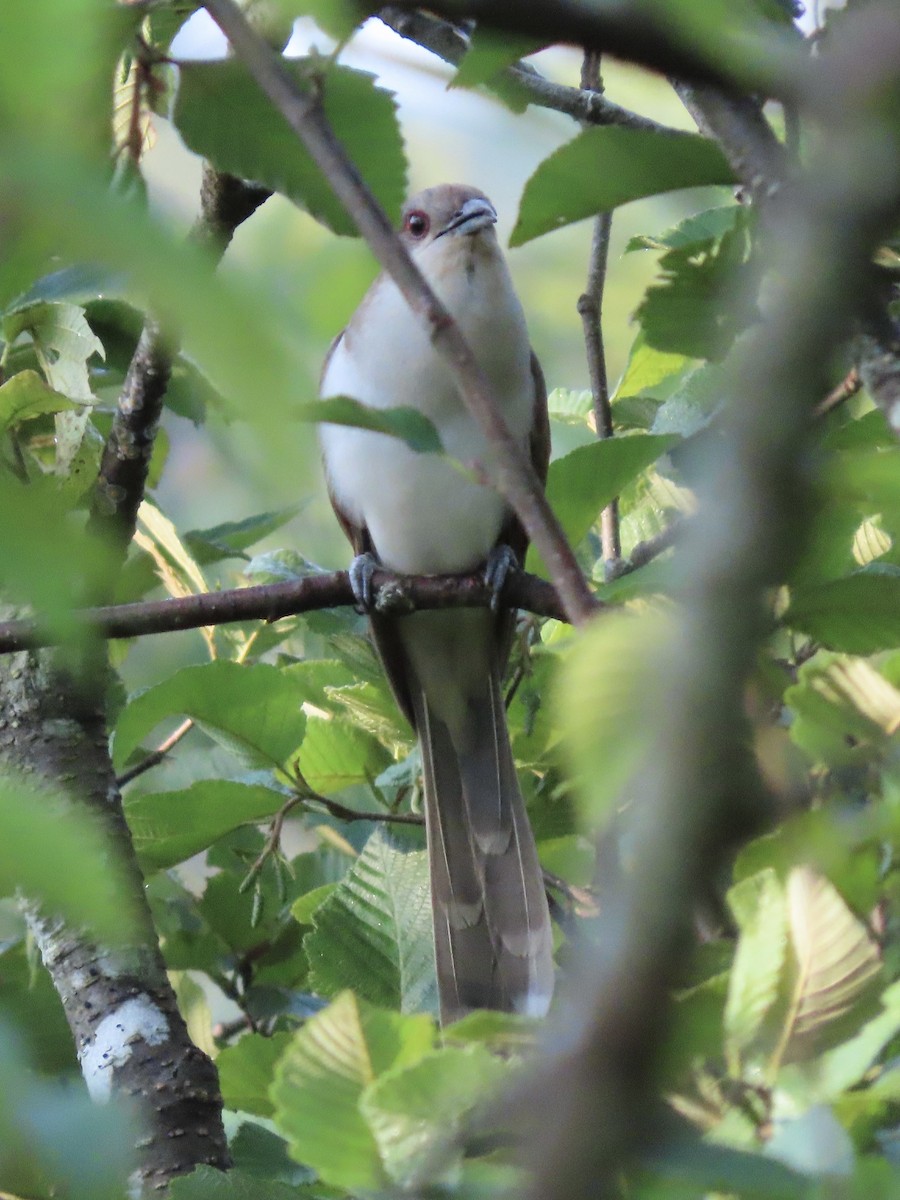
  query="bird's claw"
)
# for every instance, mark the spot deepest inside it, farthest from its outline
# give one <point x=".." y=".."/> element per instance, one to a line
<point x="361" y="572"/>
<point x="500" y="562"/>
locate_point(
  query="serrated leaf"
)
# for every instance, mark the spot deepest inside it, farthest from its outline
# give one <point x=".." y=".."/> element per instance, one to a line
<point x="208" y="1183"/>
<point x="407" y="424"/>
<point x="169" y="827"/>
<point x="418" y="1112"/>
<point x="603" y="168"/>
<point x="374" y="934"/>
<point x="859" y="614"/>
<point x="691" y="310"/>
<point x="26" y="396"/>
<point x="253" y="709"/>
<point x="583" y="482"/>
<point x="322" y="1076"/>
<point x="837" y="963"/>
<point x="696" y="230"/>
<point x="246" y="1071"/>
<point x="760" y="909"/>
<point x="336" y="754"/>
<point x="224" y="117"/>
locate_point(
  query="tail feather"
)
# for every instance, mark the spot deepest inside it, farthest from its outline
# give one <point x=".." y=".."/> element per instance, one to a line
<point x="492" y="933"/>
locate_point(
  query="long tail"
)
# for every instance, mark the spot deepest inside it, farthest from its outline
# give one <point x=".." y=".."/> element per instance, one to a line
<point x="492" y="935"/>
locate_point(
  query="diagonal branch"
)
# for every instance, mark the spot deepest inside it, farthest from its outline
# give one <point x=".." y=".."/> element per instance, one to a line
<point x="510" y="471"/>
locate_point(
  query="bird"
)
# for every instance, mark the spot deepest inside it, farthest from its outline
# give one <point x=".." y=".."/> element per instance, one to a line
<point x="421" y="514"/>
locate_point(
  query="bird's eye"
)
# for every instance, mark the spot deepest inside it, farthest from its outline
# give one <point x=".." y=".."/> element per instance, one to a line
<point x="417" y="224"/>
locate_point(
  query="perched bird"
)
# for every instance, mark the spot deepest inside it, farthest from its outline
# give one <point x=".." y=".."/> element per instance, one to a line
<point x="421" y="514"/>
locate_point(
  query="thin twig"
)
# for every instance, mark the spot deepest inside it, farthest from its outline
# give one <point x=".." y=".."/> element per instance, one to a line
<point x="449" y="44"/>
<point x="590" y="308"/>
<point x="394" y="594"/>
<point x="155" y="757"/>
<point x="849" y="386"/>
<point x="510" y="470"/>
<point x="646" y="551"/>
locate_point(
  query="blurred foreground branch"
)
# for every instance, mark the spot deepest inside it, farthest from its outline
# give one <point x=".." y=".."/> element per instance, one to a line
<point x="698" y="791"/>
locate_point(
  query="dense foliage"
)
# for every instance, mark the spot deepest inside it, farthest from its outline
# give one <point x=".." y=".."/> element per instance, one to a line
<point x="780" y="1075"/>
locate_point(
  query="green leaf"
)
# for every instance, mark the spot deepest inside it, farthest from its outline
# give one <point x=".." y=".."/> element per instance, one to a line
<point x="837" y="964"/>
<point x="760" y="909"/>
<point x="208" y="1183"/>
<point x="697" y="400"/>
<point x="322" y="1076"/>
<point x="64" y="342"/>
<point x="374" y="934"/>
<point x="583" y="482"/>
<point x="844" y="710"/>
<point x="336" y="754"/>
<point x="26" y="396"/>
<point x="223" y="116"/>
<point x="603" y="168"/>
<point x="692" y="310"/>
<point x="486" y="60"/>
<point x="61" y="857"/>
<point x="490" y="52"/>
<point x="246" y="1071"/>
<point x="232" y="538"/>
<point x="254" y="710"/>
<point x="647" y="368"/>
<point x="827" y="1076"/>
<point x="573" y="408"/>
<point x="408" y="424"/>
<point x="417" y="1113"/>
<point x="859" y="614"/>
<point x="169" y="827"/>
<point x="696" y="230"/>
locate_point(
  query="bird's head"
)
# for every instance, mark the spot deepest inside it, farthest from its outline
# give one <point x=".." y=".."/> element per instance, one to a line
<point x="450" y="214"/>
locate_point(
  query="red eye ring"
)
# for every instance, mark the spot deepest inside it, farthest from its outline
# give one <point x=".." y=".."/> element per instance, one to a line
<point x="417" y="223"/>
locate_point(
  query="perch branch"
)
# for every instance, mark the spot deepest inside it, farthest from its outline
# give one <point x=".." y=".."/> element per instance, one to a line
<point x="271" y="602"/>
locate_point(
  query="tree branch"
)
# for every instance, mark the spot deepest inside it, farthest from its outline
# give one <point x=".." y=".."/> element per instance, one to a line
<point x="738" y="124"/>
<point x="449" y="44"/>
<point x="395" y="594"/>
<point x="640" y="35"/>
<point x="509" y="470"/>
<point x="590" y="308"/>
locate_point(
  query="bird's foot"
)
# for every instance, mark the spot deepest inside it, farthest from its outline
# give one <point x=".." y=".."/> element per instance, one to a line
<point x="361" y="572"/>
<point x="500" y="562"/>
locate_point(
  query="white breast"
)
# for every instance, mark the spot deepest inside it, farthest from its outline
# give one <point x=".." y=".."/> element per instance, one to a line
<point x="424" y="513"/>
